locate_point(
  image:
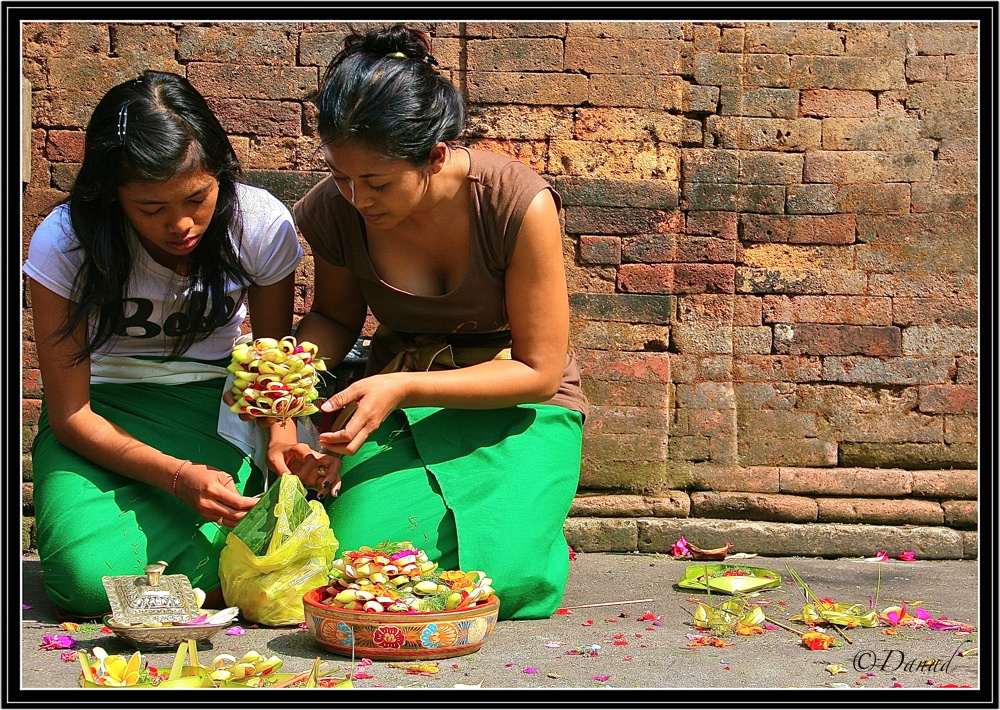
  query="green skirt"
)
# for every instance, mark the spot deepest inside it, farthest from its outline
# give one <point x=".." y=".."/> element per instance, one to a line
<point x="476" y="489"/>
<point x="94" y="523"/>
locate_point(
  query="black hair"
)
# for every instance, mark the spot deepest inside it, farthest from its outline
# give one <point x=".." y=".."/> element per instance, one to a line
<point x="382" y="91"/>
<point x="150" y="128"/>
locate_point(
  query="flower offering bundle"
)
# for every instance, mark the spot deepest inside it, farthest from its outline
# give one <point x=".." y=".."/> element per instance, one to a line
<point x="391" y="602"/>
<point x="275" y="378"/>
<point x="398" y="577"/>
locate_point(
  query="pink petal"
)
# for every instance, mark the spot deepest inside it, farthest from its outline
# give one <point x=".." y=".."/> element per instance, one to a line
<point x="601" y="678"/>
<point x="908" y="556"/>
<point x="235" y="631"/>
<point x="530" y="671"/>
<point x="54" y="641"/>
<point x="25" y="606"/>
<point x="68" y="656"/>
<point x="920" y="613"/>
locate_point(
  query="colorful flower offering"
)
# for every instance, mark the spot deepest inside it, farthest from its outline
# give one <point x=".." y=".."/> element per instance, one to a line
<point x="398" y="577"/>
<point x="275" y="378"/>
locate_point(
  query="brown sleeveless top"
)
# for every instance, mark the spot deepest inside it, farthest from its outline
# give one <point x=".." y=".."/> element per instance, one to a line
<point x="473" y="313"/>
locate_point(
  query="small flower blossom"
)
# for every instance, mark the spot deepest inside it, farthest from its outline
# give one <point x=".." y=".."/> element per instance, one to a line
<point x="55" y="641"/>
<point x="680" y="548"/>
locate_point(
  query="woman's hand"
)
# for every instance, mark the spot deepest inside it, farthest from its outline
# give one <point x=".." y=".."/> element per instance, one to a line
<point x="212" y="492"/>
<point x="375" y="397"/>
<point x="320" y="472"/>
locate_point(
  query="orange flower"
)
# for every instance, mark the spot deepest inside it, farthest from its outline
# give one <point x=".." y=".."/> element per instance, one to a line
<point x="748" y="629"/>
<point x="816" y="641"/>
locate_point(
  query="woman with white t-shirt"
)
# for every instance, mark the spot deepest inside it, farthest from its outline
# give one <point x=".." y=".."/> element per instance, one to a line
<point x="137" y="291"/>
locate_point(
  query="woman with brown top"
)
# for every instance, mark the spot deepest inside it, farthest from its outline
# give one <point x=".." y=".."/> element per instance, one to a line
<point x="464" y="436"/>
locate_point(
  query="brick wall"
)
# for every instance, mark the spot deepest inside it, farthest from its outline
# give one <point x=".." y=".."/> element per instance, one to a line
<point x="771" y="242"/>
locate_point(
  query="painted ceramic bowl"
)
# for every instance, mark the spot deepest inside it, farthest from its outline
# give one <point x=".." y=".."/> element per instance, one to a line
<point x="406" y="636"/>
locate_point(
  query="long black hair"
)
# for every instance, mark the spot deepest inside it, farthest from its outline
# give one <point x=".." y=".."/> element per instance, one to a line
<point x="150" y="128"/>
<point x="382" y="91"/>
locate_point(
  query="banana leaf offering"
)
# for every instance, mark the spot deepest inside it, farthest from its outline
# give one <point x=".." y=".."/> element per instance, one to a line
<point x="257" y="527"/>
<point x="728" y="578"/>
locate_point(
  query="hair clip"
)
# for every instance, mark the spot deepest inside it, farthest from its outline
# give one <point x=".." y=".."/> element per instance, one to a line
<point x="397" y="55"/>
<point x="122" y="123"/>
<point x="431" y="60"/>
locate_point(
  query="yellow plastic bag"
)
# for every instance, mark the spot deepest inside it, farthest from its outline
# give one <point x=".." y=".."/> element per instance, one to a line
<point x="268" y="586"/>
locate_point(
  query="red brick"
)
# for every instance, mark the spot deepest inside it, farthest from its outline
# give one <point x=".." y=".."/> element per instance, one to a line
<point x="955" y="483"/>
<point x="626" y="367"/>
<point x="600" y="250"/>
<point x="846" y="481"/>
<point x="949" y="399"/>
<point x="65" y="146"/>
<point x="515" y="54"/>
<point x="823" y="339"/>
<point x="755" y="479"/>
<point x="826" y="103"/>
<point x="31" y="409"/>
<point x="269" y="118"/>
<point x="747" y="311"/>
<point x="667" y="248"/>
<point x="753" y="506"/>
<point x="799" y="229"/>
<point x="834" y="310"/>
<point x="878" y="511"/>
<point x="674" y="504"/>
<point x="252" y="81"/>
<point x="677" y="278"/>
<point x="962" y="67"/>
<point x="722" y="225"/>
<point x="627" y="56"/>
<point x="961" y="513"/>
<point x="938" y="311"/>
<point x="527" y="88"/>
<point x="925" y="68"/>
<point x="782" y="368"/>
<point x="961" y="429"/>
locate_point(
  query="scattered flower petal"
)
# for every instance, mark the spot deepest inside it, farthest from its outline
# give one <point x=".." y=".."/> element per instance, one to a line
<point x="564" y="611"/>
<point x="68" y="656"/>
<point x="25" y="607"/>
<point x="530" y="671"/>
<point x="626" y="658"/>
<point x="235" y="631"/>
<point x="572" y="553"/>
<point x="69" y="626"/>
<point x="882" y="556"/>
<point x="908" y="556"/>
<point x="816" y="641"/>
<point x="588" y="622"/>
<point x="362" y="675"/>
<point x="600" y="678"/>
<point x="55" y="641"/>
<point x="835" y="668"/>
<point x="680" y="548"/>
<point x="554" y="644"/>
<point x="106" y="630"/>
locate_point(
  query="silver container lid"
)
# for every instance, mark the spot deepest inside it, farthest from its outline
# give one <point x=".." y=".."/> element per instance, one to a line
<point x="153" y="597"/>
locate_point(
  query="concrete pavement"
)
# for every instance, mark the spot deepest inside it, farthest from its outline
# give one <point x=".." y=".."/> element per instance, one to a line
<point x="610" y="647"/>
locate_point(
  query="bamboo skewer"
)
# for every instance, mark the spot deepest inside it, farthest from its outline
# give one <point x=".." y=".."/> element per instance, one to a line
<point x="786" y="628"/>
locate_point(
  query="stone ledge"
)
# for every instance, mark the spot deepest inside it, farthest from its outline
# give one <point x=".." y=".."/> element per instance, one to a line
<point x="770" y="539"/>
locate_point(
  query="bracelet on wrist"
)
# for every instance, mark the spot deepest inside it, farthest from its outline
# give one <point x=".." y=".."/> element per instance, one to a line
<point x="173" y="485"/>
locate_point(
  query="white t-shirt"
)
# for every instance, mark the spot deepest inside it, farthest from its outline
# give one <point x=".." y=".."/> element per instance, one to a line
<point x="269" y="252"/>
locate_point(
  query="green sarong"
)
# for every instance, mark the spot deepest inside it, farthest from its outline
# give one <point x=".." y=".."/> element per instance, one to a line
<point x="481" y="490"/>
<point x="92" y="522"/>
